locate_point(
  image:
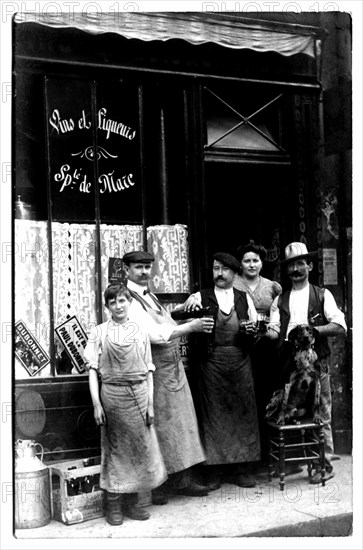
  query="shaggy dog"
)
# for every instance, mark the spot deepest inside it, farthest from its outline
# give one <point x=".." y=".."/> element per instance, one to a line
<point x="300" y="397"/>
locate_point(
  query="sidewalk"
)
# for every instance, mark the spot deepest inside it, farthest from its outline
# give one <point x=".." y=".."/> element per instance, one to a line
<point x="302" y="510"/>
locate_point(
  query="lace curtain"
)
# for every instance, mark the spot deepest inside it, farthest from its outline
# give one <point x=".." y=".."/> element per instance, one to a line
<point x="74" y="274"/>
<point x="31" y="285"/>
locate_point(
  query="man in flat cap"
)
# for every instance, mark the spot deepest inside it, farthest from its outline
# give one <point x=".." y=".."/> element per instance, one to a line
<point x="308" y="304"/>
<point x="227" y="407"/>
<point x="175" y="419"/>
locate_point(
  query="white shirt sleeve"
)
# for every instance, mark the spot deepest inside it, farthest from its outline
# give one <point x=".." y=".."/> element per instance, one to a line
<point x="274" y="323"/>
<point x="158" y="334"/>
<point x="148" y="356"/>
<point x="94" y="347"/>
<point x="331" y="311"/>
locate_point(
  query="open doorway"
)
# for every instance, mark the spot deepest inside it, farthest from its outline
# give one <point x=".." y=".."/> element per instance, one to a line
<point x="249" y="201"/>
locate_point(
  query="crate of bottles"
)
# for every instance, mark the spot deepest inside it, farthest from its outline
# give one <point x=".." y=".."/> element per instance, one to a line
<point x="76" y="493"/>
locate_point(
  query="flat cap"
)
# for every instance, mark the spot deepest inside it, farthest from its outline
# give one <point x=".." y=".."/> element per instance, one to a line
<point x="228" y="260"/>
<point x="138" y="256"/>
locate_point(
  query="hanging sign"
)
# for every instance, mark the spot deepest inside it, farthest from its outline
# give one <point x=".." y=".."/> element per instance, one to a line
<point x="28" y="350"/>
<point x="330" y="266"/>
<point x="116" y="273"/>
<point x="74" y="340"/>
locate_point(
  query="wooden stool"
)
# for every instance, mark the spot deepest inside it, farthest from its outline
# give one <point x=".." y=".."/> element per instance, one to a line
<point x="307" y="446"/>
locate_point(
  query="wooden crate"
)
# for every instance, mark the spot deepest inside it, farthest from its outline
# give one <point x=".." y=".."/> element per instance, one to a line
<point x="80" y="507"/>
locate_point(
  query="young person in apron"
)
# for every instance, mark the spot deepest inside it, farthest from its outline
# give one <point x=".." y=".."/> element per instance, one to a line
<point x="118" y="355"/>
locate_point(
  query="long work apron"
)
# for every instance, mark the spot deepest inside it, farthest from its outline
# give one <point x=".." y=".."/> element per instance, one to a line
<point x="228" y="409"/>
<point x="131" y="461"/>
<point x="175" y="419"/>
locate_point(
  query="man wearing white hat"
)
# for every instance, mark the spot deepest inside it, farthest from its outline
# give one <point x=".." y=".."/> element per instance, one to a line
<point x="309" y="304"/>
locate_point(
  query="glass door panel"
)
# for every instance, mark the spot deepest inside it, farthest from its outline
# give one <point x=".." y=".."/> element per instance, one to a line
<point x="70" y="149"/>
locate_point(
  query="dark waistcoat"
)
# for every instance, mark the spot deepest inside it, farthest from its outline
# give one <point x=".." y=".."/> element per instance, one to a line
<point x="202" y="344"/>
<point x="316" y="317"/>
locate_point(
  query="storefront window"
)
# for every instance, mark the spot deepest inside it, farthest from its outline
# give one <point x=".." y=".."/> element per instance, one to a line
<point x="88" y="186"/>
<point x="243" y="120"/>
<point x="79" y="202"/>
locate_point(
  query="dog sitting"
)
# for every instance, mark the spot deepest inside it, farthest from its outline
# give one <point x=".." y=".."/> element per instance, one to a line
<point x="300" y="397"/>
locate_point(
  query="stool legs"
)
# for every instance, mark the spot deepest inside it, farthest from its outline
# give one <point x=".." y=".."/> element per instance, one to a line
<point x="270" y="462"/>
<point x="282" y="460"/>
<point x="311" y="445"/>
<point x="322" y="453"/>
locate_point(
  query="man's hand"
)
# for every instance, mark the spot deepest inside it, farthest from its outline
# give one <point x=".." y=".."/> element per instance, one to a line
<point x="248" y="327"/>
<point x="204" y="324"/>
<point x="192" y="303"/>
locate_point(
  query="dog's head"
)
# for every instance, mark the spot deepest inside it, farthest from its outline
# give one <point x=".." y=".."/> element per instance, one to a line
<point x="301" y="336"/>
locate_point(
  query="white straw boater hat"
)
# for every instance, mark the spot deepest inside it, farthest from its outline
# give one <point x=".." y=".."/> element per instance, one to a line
<point x="297" y="251"/>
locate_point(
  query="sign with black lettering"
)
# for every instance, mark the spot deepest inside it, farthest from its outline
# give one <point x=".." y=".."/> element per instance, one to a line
<point x="28" y="350"/>
<point x="74" y="340"/>
<point x="94" y="147"/>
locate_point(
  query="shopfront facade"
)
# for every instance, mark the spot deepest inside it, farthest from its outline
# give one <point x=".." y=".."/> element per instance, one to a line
<point x="183" y="134"/>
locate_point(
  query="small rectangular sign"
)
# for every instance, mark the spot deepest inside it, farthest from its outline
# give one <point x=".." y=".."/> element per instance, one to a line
<point x="28" y="350"/>
<point x="116" y="273"/>
<point x="330" y="266"/>
<point x="74" y="340"/>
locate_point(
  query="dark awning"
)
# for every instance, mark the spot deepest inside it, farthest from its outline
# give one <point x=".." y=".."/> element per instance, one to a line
<point x="197" y="28"/>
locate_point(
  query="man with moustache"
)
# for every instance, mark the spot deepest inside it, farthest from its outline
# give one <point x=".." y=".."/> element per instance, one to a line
<point x="308" y="304"/>
<point x="227" y="406"/>
<point x="175" y="419"/>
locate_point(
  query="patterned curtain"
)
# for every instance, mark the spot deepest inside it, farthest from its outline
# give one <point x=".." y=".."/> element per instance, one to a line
<point x="31" y="284"/>
<point x="116" y="240"/>
<point x="74" y="281"/>
<point x="169" y="245"/>
<point x="74" y="274"/>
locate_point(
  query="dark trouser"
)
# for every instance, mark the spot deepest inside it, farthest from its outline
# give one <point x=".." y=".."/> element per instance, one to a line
<point x="325" y="414"/>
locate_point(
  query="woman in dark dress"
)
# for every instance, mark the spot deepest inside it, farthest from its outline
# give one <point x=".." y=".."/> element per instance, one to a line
<point x="263" y="291"/>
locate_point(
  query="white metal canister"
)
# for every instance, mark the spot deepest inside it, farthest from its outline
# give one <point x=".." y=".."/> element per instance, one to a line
<point x="32" y="486"/>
